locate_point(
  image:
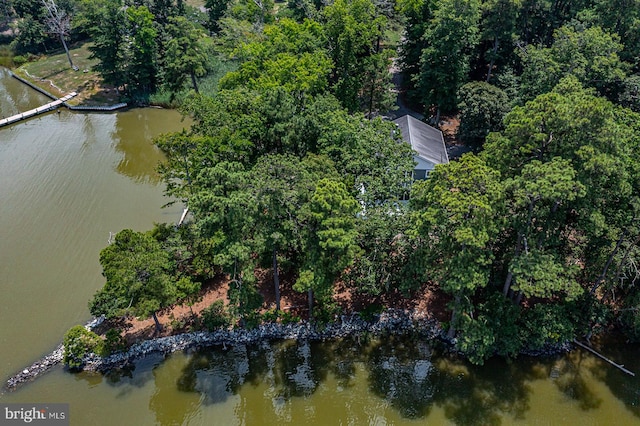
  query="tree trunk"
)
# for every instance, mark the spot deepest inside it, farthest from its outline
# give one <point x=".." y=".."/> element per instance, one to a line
<point x="66" y="49"/>
<point x="507" y="282"/>
<point x="276" y="278"/>
<point x="194" y="82"/>
<point x="493" y="58"/>
<point x="158" y="325"/>
<point x="519" y="298"/>
<point x="603" y="275"/>
<point x="310" y="296"/>
<point x="454" y="314"/>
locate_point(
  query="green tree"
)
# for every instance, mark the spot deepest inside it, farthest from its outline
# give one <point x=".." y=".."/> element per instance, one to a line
<point x="354" y="31"/>
<point x="216" y="10"/>
<point x="257" y="12"/>
<point x="329" y="240"/>
<point x="141" y="60"/>
<point x="109" y="31"/>
<point x="372" y="154"/>
<point x="456" y="217"/>
<point x="140" y="278"/>
<point x="621" y="17"/>
<point x="590" y="54"/>
<point x="30" y="37"/>
<point x="377" y="95"/>
<point x="418" y="15"/>
<point x="570" y="158"/>
<point x="225" y="215"/>
<point x="186" y="54"/>
<point x="450" y="39"/>
<point x="482" y="107"/>
<point x="541" y="197"/>
<point x="283" y="186"/>
<point x="289" y="55"/>
<point x="492" y="330"/>
<point x="630" y="94"/>
<point x="498" y="23"/>
<point x="382" y="238"/>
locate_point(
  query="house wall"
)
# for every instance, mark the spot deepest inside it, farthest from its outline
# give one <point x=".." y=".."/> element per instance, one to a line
<point x="422" y="168"/>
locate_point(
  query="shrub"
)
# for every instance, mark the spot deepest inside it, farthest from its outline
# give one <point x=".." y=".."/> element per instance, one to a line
<point x="215" y="316"/>
<point x="369" y="313"/>
<point x="270" y="316"/>
<point x="547" y="324"/>
<point x="285" y="317"/>
<point x="19" y="60"/>
<point x="78" y="342"/>
<point x="289" y="318"/>
<point x="114" y="342"/>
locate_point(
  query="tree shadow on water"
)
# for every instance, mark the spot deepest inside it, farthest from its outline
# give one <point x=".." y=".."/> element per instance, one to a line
<point x="288" y="369"/>
<point x="573" y="383"/>
<point x="621" y="385"/>
<point x="218" y="373"/>
<point x="400" y="371"/>
<point x="413" y="382"/>
<point x="129" y="378"/>
<point x="483" y="395"/>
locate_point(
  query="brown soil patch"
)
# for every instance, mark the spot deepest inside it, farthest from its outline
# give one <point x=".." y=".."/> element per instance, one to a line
<point x="428" y="301"/>
<point x="449" y="126"/>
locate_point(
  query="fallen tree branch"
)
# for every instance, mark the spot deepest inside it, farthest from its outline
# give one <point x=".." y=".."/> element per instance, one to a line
<point x="621" y="367"/>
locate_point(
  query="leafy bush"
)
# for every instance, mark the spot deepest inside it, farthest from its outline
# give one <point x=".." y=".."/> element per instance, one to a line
<point x="19" y="60"/>
<point x="289" y="318"/>
<point x="271" y="315"/>
<point x="114" y="342"/>
<point x="544" y="324"/>
<point x="78" y="342"/>
<point x="371" y="311"/>
<point x="326" y="313"/>
<point x="482" y="108"/>
<point x="492" y="332"/>
<point x="215" y="316"/>
<point x="285" y="317"/>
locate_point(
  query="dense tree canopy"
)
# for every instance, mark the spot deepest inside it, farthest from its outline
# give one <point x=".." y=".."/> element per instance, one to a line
<point x="289" y="165"/>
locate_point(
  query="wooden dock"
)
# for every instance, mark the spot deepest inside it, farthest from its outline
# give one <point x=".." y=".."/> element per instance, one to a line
<point x="33" y="112"/>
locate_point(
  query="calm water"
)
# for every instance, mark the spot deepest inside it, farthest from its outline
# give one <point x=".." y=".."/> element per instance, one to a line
<point x="67" y="180"/>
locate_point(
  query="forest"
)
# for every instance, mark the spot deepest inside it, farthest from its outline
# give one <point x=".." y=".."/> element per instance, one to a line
<point x="292" y="166"/>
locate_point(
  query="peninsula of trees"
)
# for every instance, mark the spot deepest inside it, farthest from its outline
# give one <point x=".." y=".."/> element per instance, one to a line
<point x="290" y="165"/>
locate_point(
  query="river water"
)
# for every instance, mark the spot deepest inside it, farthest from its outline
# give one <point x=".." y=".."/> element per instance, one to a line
<point x="67" y="180"/>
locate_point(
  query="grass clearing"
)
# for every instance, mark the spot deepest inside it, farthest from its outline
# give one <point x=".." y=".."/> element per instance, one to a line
<point x="53" y="74"/>
<point x="195" y="3"/>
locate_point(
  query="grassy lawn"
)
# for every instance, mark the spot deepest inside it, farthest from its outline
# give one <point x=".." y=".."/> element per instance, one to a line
<point x="53" y="74"/>
<point x="195" y="3"/>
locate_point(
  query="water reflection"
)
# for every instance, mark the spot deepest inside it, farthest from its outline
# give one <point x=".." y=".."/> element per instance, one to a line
<point x="622" y="386"/>
<point x="170" y="407"/>
<point x="399" y="372"/>
<point x="133" y="135"/>
<point x="482" y="395"/>
<point x="393" y="380"/>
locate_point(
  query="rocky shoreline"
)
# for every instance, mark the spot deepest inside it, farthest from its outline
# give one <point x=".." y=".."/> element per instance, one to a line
<point x="390" y="321"/>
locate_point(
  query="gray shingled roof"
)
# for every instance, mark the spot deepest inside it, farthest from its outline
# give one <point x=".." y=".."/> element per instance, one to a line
<point x="427" y="141"/>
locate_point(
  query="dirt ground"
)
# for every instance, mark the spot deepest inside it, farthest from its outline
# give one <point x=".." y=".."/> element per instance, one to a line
<point x="427" y="302"/>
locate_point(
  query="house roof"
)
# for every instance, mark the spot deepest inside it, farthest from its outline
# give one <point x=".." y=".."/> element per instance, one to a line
<point x="427" y="141"/>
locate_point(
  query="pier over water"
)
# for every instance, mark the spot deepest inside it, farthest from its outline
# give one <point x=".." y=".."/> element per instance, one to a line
<point x="36" y="111"/>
